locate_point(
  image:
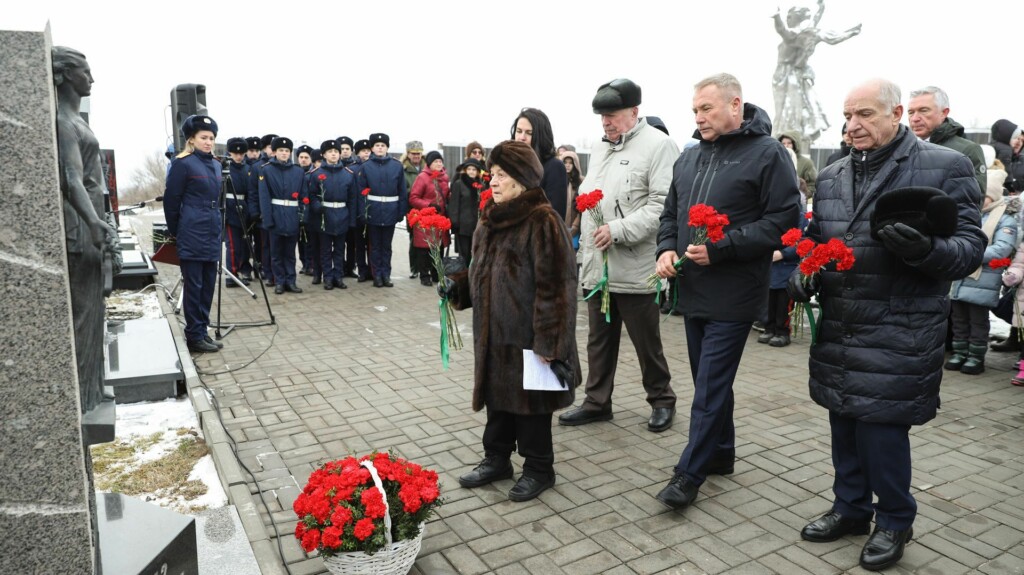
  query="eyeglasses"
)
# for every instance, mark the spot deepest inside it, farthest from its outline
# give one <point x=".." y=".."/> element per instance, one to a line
<point x="476" y="153"/>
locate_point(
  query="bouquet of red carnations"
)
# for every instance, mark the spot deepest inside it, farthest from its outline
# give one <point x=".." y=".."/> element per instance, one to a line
<point x="591" y="203"/>
<point x="436" y="227"/>
<point x="708" y="225"/>
<point x="815" y="257"/>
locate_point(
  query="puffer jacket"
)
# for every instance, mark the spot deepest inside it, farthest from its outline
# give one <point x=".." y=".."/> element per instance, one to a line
<point x="984" y="290"/>
<point x="634" y="176"/>
<point x="951" y="135"/>
<point x="881" y="337"/>
<point x="748" y="176"/>
<point x="1012" y="277"/>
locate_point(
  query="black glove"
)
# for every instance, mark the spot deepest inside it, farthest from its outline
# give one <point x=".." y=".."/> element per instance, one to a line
<point x="446" y="288"/>
<point x="563" y="372"/>
<point x="905" y="241"/>
<point x="800" y="292"/>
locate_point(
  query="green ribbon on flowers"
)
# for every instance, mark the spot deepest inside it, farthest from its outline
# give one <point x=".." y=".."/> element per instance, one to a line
<point x="601" y="285"/>
<point x="812" y="322"/>
<point x="444" y="332"/>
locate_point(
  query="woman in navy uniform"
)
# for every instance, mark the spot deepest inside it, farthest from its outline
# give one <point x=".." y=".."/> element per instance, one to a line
<point x="192" y="211"/>
<point x="282" y="198"/>
<point x="332" y="196"/>
<point x="387" y="203"/>
<point x="236" y="212"/>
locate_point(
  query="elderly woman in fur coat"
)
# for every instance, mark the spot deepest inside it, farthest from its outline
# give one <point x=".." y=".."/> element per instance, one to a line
<point x="522" y="287"/>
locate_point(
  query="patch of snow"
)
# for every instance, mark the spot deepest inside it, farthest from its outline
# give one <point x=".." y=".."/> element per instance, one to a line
<point x="148" y="417"/>
<point x="206" y="472"/>
<point x="997" y="327"/>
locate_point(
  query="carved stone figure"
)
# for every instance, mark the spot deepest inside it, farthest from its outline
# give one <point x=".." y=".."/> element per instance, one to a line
<point x="90" y="237"/>
<point x="797" y="109"/>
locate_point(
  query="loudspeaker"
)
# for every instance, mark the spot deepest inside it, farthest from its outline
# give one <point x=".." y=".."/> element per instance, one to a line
<point x="186" y="100"/>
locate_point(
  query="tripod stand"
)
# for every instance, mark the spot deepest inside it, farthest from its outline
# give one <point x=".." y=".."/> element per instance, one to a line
<point x="226" y="188"/>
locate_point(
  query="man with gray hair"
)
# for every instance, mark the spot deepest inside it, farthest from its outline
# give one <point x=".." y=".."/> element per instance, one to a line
<point x="744" y="173"/>
<point x="928" y="112"/>
<point x="909" y="210"/>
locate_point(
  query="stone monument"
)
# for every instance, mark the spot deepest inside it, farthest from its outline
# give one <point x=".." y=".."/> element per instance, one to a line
<point x="797" y="110"/>
<point x="47" y="503"/>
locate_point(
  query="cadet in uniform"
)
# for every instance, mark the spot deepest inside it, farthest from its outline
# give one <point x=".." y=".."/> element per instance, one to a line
<point x="235" y="213"/>
<point x="282" y="197"/>
<point x="332" y="197"/>
<point x="361" y="260"/>
<point x="192" y="211"/>
<point x="261" y="241"/>
<point x="387" y="203"/>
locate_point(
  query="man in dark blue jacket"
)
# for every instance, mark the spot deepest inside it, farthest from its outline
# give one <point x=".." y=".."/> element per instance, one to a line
<point x="744" y="173"/>
<point x="877" y="363"/>
<point x="236" y="209"/>
<point x="261" y="240"/>
<point x="387" y="203"/>
<point x="357" y="235"/>
<point x="332" y="196"/>
<point x="282" y="198"/>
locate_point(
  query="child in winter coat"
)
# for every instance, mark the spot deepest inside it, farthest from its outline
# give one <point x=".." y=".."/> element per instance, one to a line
<point x="1012" y="277"/>
<point x="976" y="294"/>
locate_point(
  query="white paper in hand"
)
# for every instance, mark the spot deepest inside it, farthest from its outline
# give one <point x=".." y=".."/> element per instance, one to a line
<point x="537" y="374"/>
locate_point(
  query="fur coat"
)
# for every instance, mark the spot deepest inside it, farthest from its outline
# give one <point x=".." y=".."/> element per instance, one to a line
<point x="522" y="288"/>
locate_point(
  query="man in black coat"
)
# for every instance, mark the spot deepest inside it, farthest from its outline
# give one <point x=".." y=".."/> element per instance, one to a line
<point x="744" y="173"/>
<point x="877" y="363"/>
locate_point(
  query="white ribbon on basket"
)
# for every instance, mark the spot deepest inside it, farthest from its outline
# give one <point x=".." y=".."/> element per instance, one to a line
<point x="368" y="464"/>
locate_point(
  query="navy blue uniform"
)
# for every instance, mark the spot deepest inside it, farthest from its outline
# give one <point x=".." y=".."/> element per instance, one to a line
<point x="309" y="241"/>
<point x="237" y="216"/>
<point x="386" y="204"/>
<point x="192" y="211"/>
<point x="332" y="196"/>
<point x="281" y="201"/>
<point x="356" y="250"/>
<point x="260" y="240"/>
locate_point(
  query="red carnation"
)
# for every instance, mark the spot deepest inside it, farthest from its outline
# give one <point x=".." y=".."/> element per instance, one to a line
<point x="322" y="177"/>
<point x="589" y="201"/>
<point x="363" y="529"/>
<point x="332" y="537"/>
<point x="485" y="197"/>
<point x="477" y="185"/>
<point x="804" y="247"/>
<point x="311" y="540"/>
<point x="809" y="215"/>
<point x="999" y="263"/>
<point x="295" y="195"/>
<point x="366" y="191"/>
<point x="791" y="237"/>
<point x="305" y="200"/>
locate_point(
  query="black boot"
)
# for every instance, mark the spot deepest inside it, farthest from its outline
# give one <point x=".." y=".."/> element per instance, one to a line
<point x="975" y="362"/>
<point x="1010" y="343"/>
<point x="956" y="361"/>
<point x="492" y="468"/>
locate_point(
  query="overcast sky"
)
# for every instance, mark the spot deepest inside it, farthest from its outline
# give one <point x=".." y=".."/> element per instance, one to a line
<point x="455" y="71"/>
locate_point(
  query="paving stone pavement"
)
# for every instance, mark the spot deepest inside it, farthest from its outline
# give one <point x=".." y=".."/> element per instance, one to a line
<point x="351" y="371"/>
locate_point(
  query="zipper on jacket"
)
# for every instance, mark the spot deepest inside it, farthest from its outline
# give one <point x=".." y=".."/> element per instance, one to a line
<point x="703" y="192"/>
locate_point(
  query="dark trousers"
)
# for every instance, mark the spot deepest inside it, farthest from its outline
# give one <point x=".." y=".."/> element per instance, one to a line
<point x="970" y="322"/>
<point x="412" y="252"/>
<point x="303" y="243"/>
<point x="332" y="256"/>
<point x="266" y="261"/>
<point x="314" y="261"/>
<point x="464" y="245"/>
<point x="282" y="257"/>
<point x="350" y="250"/>
<point x="506" y="431"/>
<point x="778" y="312"/>
<point x="362" y="250"/>
<point x="714" y="349"/>
<point x="238" y="252"/>
<point x="424" y="265"/>
<point x="872" y="458"/>
<point x="643" y="322"/>
<point x="198" y="282"/>
<point x="380" y="250"/>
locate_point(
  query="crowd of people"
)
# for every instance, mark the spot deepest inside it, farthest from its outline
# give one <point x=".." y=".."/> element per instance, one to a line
<point x="921" y="208"/>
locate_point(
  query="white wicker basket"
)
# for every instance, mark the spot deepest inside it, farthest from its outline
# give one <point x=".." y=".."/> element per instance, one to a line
<point x="393" y="559"/>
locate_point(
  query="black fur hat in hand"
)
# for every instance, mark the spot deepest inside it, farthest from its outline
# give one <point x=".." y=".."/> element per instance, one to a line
<point x="928" y="210"/>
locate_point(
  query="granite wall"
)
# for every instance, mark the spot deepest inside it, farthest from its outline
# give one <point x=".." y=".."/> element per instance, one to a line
<point x="45" y="493"/>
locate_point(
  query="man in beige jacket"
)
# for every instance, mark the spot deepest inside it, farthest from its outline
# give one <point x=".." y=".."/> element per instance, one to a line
<point x="632" y="166"/>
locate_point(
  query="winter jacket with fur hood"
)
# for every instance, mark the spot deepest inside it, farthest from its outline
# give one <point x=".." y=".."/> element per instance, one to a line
<point x="881" y="337"/>
<point x="634" y="176"/>
<point x="748" y="176"/>
<point x="522" y="288"/>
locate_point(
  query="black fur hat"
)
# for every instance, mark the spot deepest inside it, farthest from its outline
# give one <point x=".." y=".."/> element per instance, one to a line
<point x="194" y="124"/>
<point x="281" y="142"/>
<point x="342" y="140"/>
<point x="928" y="210"/>
<point x="329" y="145"/>
<point x="519" y="161"/>
<point x="255" y="143"/>
<point x="378" y="137"/>
<point x="316" y="156"/>
<point x="237" y="145"/>
<point x="616" y="95"/>
<point x="362" y="145"/>
<point x="267" y="140"/>
<point x="304" y="148"/>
